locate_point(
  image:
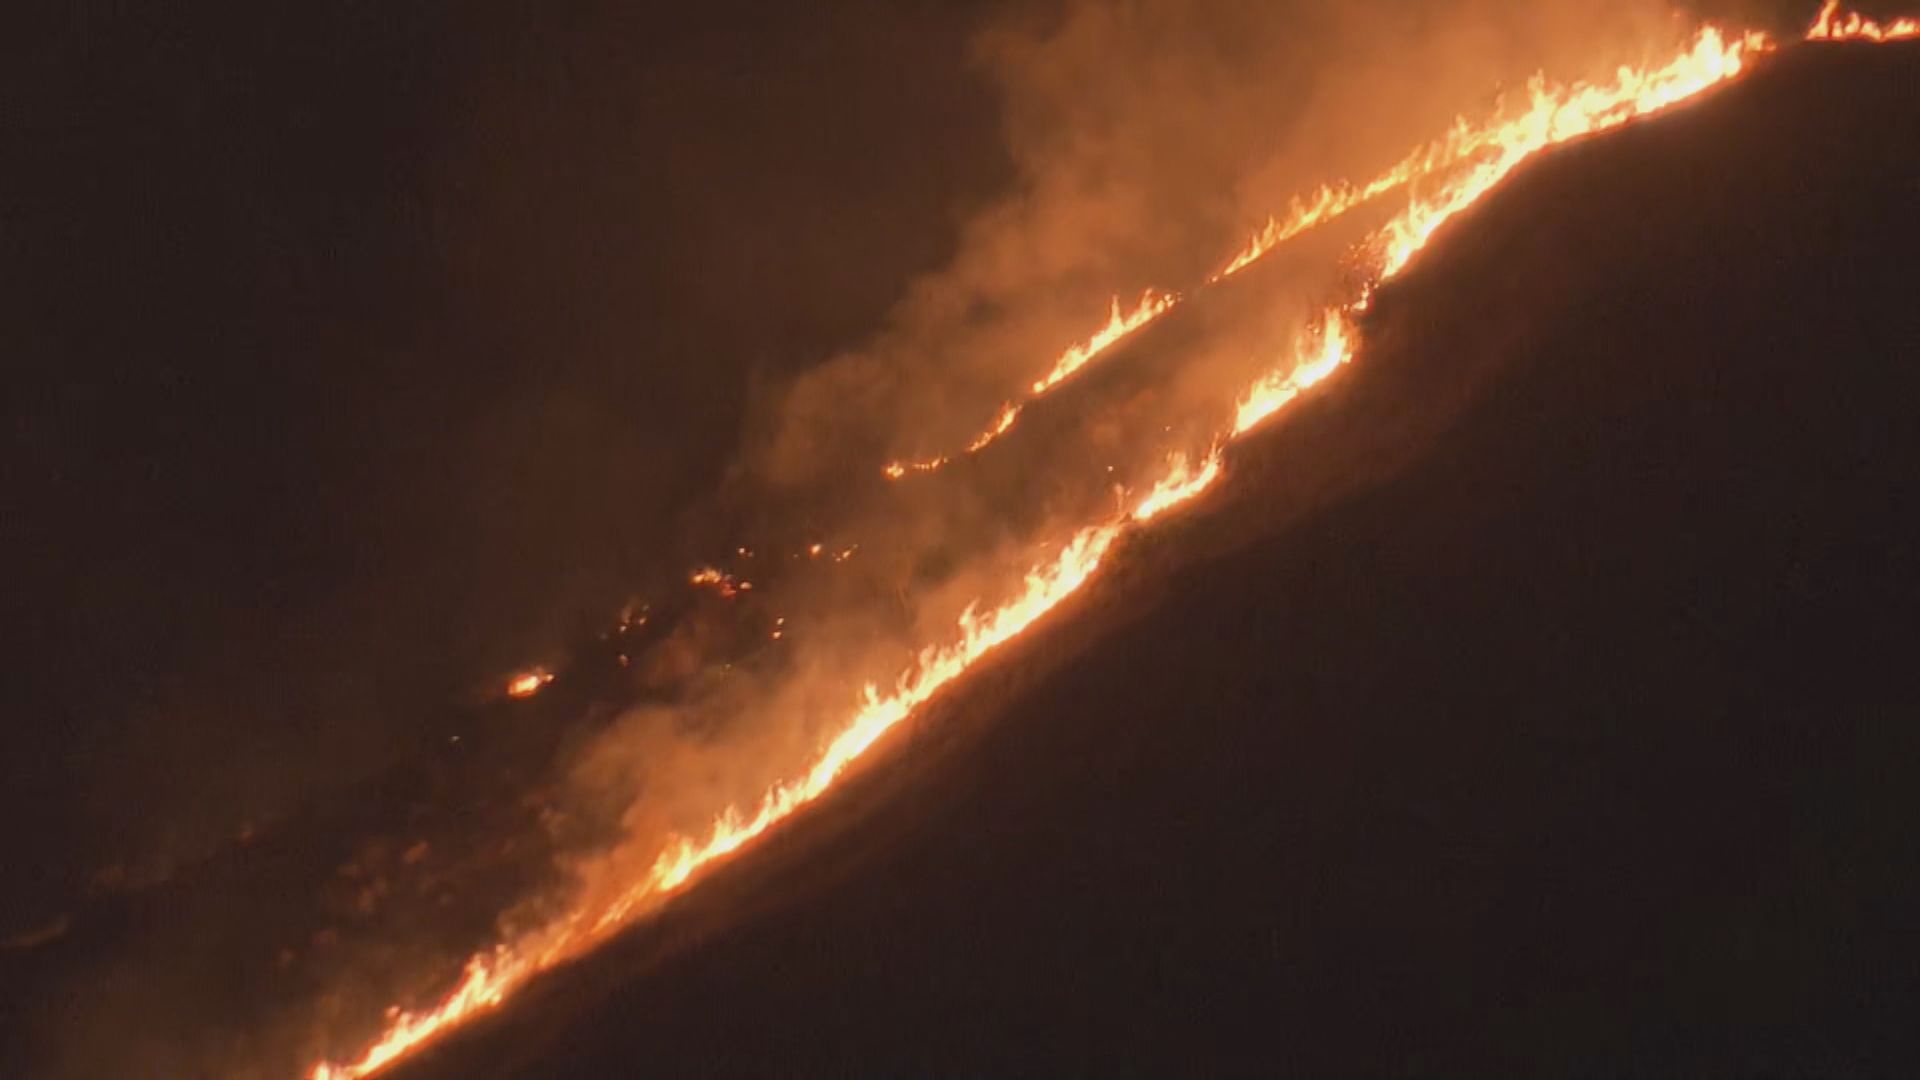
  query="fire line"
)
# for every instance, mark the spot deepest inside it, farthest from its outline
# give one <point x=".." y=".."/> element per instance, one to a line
<point x="1476" y="159"/>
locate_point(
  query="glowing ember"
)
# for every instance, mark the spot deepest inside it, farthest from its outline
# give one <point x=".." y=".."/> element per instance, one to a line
<point x="897" y="469"/>
<point x="1470" y="162"/>
<point x="528" y="683"/>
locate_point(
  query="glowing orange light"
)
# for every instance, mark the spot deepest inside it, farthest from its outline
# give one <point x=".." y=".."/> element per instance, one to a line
<point x="897" y="469"/>
<point x="1473" y="159"/>
<point x="1152" y="305"/>
<point x="1119" y="325"/>
<point x="1183" y="481"/>
<point x="1830" y="25"/>
<point x="1315" y="362"/>
<point x="528" y="683"/>
<point x="1008" y="414"/>
<point x="719" y="580"/>
<point x="1330" y="201"/>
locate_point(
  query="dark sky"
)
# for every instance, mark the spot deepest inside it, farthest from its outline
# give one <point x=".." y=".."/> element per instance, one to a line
<point x="359" y="351"/>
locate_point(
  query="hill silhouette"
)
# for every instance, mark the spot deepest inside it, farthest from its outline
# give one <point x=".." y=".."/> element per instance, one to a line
<point x="1537" y="697"/>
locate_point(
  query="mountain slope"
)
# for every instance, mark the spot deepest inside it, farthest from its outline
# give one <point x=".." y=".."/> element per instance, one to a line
<point x="1538" y="697"/>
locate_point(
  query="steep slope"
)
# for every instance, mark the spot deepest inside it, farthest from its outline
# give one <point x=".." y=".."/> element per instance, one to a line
<point x="1538" y="697"/>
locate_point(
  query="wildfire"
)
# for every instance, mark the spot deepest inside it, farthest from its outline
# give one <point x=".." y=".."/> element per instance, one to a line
<point x="719" y="581"/>
<point x="1560" y="114"/>
<point x="1468" y="163"/>
<point x="897" y="469"/>
<point x="490" y="976"/>
<point x="528" y="683"/>
<point x="1182" y="482"/>
<point x="1830" y="25"/>
<point x="1119" y="325"/>
<point x="1330" y="201"/>
<point x="1152" y="305"/>
<point x="1279" y="387"/>
<point x="1008" y="414"/>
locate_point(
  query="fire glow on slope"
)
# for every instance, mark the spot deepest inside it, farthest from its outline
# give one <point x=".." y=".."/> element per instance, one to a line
<point x="528" y="683"/>
<point x="1332" y="200"/>
<point x="1463" y="142"/>
<point x="1152" y="305"/>
<point x="1326" y="204"/>
<point x="1487" y="154"/>
<point x="1120" y="324"/>
<point x="1830" y="25"/>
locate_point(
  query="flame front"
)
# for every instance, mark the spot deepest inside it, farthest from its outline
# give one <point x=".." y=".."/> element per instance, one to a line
<point x="1120" y="324"/>
<point x="1008" y="414"/>
<point x="1331" y="201"/>
<point x="528" y="683"/>
<point x="1468" y="163"/>
<point x="1182" y="481"/>
<point x="1317" y="359"/>
<point x="1152" y="305"/>
<point x="1830" y="25"/>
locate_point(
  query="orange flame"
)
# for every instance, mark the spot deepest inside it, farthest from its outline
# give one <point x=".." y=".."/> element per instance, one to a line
<point x="1831" y="26"/>
<point x="489" y="977"/>
<point x="1554" y="115"/>
<point x="1008" y="414"/>
<point x="1332" y="200"/>
<point x="528" y="683"/>
<point x="1583" y="110"/>
<point x="1183" y="481"/>
<point x="1152" y="305"/>
<point x="1278" y="388"/>
<point x="897" y="469"/>
<point x="721" y="582"/>
<point x="1559" y="114"/>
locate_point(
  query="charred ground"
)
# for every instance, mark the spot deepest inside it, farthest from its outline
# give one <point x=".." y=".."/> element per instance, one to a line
<point x="1538" y="698"/>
